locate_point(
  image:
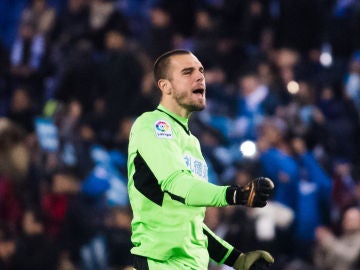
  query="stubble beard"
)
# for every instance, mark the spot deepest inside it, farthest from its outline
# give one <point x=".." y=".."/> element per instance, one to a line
<point x="190" y="106"/>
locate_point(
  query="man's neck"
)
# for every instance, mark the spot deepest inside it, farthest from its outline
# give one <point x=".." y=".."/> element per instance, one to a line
<point x="176" y="109"/>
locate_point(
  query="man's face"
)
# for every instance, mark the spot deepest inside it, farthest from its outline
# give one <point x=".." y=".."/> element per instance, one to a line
<point x="187" y="82"/>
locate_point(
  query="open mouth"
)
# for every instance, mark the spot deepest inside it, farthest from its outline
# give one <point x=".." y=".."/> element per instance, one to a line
<point x="200" y="91"/>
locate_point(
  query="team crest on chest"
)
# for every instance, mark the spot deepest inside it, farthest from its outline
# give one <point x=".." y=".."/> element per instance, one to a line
<point x="163" y="129"/>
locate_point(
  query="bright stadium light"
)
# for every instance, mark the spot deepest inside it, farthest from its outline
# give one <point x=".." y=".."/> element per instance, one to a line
<point x="326" y="57"/>
<point x="248" y="149"/>
<point x="293" y="87"/>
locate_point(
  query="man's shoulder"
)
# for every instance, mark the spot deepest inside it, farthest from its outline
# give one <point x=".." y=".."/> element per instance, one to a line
<point x="155" y="122"/>
<point x="150" y="118"/>
<point x="147" y="118"/>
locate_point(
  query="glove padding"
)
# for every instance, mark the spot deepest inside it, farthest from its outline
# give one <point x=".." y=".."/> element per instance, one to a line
<point x="254" y="260"/>
<point x="254" y="194"/>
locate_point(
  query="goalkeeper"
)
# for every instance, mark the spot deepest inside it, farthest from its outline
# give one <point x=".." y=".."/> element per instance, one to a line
<point x="168" y="185"/>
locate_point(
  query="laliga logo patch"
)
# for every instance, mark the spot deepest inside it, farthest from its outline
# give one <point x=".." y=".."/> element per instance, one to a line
<point x="163" y="129"/>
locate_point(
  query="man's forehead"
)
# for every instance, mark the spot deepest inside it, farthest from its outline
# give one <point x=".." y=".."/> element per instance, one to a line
<point x="185" y="60"/>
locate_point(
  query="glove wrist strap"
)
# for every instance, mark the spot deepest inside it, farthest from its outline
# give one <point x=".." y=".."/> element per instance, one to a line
<point x="231" y="195"/>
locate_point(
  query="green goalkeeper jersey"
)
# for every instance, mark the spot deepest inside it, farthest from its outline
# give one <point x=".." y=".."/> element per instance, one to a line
<point x="169" y="190"/>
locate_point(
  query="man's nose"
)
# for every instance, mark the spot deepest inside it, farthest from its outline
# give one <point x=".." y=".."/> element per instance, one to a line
<point x="200" y="76"/>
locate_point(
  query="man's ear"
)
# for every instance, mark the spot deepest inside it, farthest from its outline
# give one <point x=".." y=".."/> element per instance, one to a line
<point x="164" y="86"/>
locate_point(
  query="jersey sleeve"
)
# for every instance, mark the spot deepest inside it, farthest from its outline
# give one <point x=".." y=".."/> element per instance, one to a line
<point x="165" y="159"/>
<point x="219" y="250"/>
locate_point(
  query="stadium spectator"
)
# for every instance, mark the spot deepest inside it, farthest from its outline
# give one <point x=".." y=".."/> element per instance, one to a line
<point x="7" y="247"/>
<point x="34" y="248"/>
<point x="26" y="60"/>
<point x="339" y="252"/>
<point x="22" y="110"/>
<point x="117" y="235"/>
<point x="157" y="36"/>
<point x="41" y="15"/>
<point x="120" y="73"/>
<point x="313" y="199"/>
<point x="344" y="192"/>
<point x="71" y="24"/>
<point x="105" y="16"/>
<point x="77" y="78"/>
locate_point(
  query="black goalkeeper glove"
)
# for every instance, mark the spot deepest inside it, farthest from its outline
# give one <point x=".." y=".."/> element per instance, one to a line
<point x="254" y="194"/>
<point x="254" y="260"/>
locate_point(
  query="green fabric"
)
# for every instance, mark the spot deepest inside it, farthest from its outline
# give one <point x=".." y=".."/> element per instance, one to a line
<point x="195" y="192"/>
<point x="174" y="229"/>
<point x="168" y="265"/>
<point x="225" y="244"/>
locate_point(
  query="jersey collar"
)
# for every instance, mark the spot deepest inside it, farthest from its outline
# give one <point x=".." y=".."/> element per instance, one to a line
<point x="182" y="121"/>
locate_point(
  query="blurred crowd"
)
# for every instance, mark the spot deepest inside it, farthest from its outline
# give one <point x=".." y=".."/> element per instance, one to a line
<point x="283" y="92"/>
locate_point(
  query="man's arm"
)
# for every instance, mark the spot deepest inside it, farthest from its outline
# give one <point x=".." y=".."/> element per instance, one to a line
<point x="165" y="159"/>
<point x="219" y="250"/>
<point x="222" y="252"/>
<point x="186" y="188"/>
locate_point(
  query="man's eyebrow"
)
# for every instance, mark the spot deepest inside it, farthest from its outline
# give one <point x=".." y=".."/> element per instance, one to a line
<point x="189" y="69"/>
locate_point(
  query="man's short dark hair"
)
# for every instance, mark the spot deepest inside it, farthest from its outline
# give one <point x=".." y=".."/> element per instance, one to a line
<point x="162" y="63"/>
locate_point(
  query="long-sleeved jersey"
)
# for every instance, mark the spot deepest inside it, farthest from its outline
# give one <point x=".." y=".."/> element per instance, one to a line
<point x="169" y="191"/>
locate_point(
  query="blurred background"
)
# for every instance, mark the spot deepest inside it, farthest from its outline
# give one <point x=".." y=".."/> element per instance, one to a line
<point x="283" y="91"/>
